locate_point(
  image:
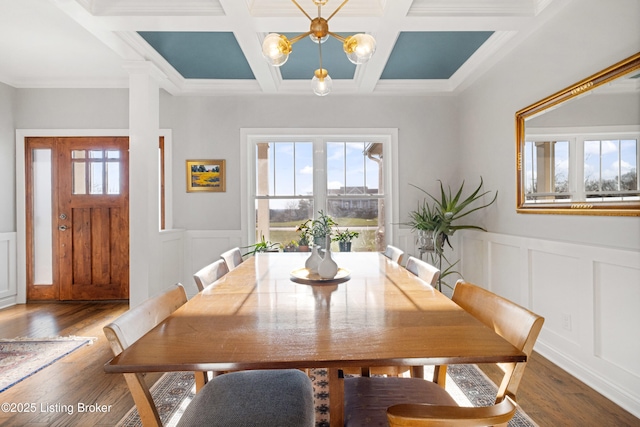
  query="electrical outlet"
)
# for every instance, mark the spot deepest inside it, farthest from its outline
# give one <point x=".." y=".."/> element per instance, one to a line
<point x="566" y="321"/>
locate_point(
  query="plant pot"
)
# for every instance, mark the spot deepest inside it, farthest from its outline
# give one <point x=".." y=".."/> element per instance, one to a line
<point x="303" y="248"/>
<point x="345" y="246"/>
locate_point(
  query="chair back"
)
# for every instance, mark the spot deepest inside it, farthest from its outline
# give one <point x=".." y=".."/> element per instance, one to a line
<point x="233" y="258"/>
<point x="511" y="321"/>
<point x="423" y="270"/>
<point x="394" y="254"/>
<point x="128" y="328"/>
<point x="210" y="273"/>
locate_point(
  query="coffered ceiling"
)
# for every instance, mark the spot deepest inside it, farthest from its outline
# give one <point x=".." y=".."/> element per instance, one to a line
<point x="214" y="46"/>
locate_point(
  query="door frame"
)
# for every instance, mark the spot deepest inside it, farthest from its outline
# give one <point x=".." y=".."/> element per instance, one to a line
<point x="21" y="213"/>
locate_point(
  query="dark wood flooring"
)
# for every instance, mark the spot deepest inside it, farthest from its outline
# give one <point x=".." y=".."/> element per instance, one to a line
<point x="548" y="394"/>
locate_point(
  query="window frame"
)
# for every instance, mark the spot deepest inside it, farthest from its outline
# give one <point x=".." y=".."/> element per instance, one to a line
<point x="250" y="137"/>
<point x="576" y="138"/>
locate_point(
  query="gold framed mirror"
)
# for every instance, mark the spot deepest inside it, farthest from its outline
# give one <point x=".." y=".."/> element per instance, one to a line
<point x="578" y="150"/>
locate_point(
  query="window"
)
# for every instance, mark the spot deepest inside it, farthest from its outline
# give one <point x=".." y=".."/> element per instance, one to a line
<point x="292" y="178"/>
<point x="578" y="168"/>
<point x="547" y="170"/>
<point x="610" y="168"/>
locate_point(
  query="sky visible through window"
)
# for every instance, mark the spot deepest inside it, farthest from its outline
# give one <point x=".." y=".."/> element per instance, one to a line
<point x="603" y="160"/>
<point x="291" y="168"/>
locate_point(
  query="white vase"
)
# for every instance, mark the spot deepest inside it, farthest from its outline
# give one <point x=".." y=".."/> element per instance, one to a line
<point x="327" y="269"/>
<point x="313" y="261"/>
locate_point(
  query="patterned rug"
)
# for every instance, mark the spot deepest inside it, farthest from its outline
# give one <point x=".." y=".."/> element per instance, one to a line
<point x="468" y="385"/>
<point x="22" y="357"/>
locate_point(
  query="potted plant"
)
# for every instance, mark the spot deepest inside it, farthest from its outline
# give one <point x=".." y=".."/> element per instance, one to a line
<point x="437" y="218"/>
<point x="292" y="246"/>
<point x="262" y="246"/>
<point x="344" y="239"/>
<point x="305" y="232"/>
<point x="317" y="229"/>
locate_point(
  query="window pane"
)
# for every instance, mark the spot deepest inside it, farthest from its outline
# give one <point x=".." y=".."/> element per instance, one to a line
<point x="336" y="167"/>
<point x="96" y="154"/>
<point x="629" y="165"/>
<point x="363" y="216"/>
<point x="561" y="166"/>
<point x="304" y="168"/>
<point x="609" y="165"/>
<point x="373" y="164"/>
<point x="79" y="178"/>
<point x="113" y="154"/>
<point x="283" y="168"/>
<point x="42" y="218"/>
<point x="78" y="154"/>
<point x="277" y="219"/>
<point x="355" y="168"/>
<point x="96" y="178"/>
<point x="591" y="165"/>
<point x="113" y="178"/>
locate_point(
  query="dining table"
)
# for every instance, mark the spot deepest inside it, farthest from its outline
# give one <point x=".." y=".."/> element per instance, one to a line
<point x="269" y="313"/>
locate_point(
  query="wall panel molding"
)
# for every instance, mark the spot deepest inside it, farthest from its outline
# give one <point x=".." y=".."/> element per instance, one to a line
<point x="589" y="296"/>
<point x="8" y="284"/>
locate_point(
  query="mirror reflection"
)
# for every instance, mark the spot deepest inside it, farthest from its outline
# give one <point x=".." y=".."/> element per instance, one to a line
<point x="579" y="149"/>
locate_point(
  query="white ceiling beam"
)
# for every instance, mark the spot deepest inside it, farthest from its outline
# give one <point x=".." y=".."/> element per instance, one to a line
<point x="85" y="19"/>
<point x="250" y="42"/>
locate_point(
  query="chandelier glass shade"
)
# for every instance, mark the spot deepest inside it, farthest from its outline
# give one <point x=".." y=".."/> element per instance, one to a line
<point x="359" y="48"/>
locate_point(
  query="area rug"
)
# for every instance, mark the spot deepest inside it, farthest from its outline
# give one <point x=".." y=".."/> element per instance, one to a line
<point x="468" y="385"/>
<point x="22" y="357"/>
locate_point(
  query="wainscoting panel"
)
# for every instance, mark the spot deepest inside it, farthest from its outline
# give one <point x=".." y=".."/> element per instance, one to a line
<point x="555" y="286"/>
<point x="503" y="271"/>
<point x="589" y="296"/>
<point x="8" y="286"/>
<point x="474" y="253"/>
<point x="172" y="252"/>
<point x="202" y="247"/>
<point x="617" y="312"/>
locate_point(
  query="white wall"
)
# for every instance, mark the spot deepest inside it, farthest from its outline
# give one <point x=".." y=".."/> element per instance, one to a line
<point x="209" y="128"/>
<point x="565" y="51"/>
<point x="7" y="159"/>
<point x="581" y="272"/>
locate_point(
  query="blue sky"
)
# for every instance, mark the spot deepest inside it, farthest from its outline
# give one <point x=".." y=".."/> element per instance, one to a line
<point x="291" y="167"/>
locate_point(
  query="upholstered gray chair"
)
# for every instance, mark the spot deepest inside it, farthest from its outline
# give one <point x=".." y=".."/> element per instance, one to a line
<point x="237" y="399"/>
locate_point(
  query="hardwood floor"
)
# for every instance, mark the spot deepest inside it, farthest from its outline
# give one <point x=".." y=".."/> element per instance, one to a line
<point x="548" y="394"/>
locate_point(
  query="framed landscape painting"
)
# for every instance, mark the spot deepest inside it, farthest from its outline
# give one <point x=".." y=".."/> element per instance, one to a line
<point x="206" y="175"/>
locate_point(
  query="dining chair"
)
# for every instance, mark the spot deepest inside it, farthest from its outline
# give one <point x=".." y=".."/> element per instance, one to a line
<point x="417" y="402"/>
<point x="210" y="273"/>
<point x="394" y="254"/>
<point x="237" y="399"/>
<point x="423" y="270"/>
<point x="233" y="258"/>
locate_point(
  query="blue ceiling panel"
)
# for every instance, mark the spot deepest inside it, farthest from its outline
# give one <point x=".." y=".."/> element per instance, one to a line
<point x="304" y="59"/>
<point x="201" y="55"/>
<point x="432" y="55"/>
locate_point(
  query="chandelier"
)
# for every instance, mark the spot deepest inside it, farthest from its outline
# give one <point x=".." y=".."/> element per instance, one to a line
<point x="359" y="48"/>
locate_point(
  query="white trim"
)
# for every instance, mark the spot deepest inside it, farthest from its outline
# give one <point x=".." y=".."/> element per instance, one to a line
<point x="389" y="136"/>
<point x="21" y="134"/>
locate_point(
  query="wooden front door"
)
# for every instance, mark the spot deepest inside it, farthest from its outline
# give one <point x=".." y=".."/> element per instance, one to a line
<point x="90" y="219"/>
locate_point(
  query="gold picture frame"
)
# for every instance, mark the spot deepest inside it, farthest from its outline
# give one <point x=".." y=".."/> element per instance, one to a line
<point x="206" y="175"/>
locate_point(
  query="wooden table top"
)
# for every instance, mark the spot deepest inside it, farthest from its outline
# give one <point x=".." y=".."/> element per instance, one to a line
<point x="256" y="317"/>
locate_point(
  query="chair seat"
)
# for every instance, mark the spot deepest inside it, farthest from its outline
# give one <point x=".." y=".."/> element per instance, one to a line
<point x="253" y="398"/>
<point x="367" y="398"/>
